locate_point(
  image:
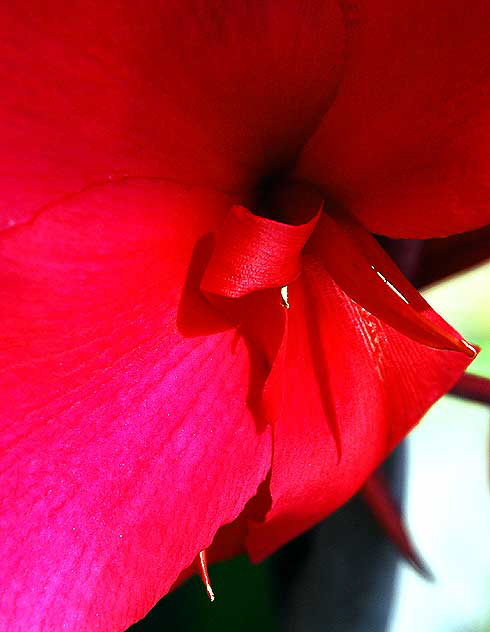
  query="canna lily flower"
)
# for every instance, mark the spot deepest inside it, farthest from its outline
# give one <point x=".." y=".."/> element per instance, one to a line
<point x="203" y="347"/>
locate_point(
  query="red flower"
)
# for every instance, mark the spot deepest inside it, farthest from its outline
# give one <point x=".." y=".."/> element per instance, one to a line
<point x="140" y="414"/>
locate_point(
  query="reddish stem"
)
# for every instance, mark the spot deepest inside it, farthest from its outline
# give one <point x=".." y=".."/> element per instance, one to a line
<point x="473" y="387"/>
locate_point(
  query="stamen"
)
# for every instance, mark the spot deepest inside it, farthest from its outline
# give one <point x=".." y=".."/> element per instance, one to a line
<point x="202" y="566"/>
<point x="284" y="297"/>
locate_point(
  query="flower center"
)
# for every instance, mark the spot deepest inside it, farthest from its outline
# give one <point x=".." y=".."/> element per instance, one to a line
<point x="287" y="201"/>
<point x="262" y="249"/>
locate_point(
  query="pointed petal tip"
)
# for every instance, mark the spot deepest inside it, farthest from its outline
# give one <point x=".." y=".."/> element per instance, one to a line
<point x="420" y="566"/>
<point x="377" y="494"/>
<point x="468" y="349"/>
<point x="460" y="345"/>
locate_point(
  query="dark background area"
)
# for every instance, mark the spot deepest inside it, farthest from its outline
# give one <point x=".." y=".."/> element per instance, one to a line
<point x="340" y="576"/>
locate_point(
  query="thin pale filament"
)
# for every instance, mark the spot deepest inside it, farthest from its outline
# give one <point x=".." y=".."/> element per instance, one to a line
<point x="202" y="565"/>
<point x="284" y="297"/>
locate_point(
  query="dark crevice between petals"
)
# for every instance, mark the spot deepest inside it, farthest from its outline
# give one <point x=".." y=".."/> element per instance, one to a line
<point x="286" y="200"/>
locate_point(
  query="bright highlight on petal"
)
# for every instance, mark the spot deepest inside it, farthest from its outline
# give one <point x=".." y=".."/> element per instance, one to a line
<point x="285" y="297"/>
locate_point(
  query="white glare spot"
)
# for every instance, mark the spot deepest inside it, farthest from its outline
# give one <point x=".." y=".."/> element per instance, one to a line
<point x="471" y="347"/>
<point x="284" y="297"/>
<point x="390" y="285"/>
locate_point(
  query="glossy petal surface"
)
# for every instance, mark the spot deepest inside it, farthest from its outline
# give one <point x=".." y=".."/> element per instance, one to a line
<point x="405" y="145"/>
<point x="366" y="273"/>
<point x="115" y="420"/>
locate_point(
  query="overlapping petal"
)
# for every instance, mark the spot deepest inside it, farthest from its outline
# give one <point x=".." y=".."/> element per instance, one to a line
<point x="362" y="357"/>
<point x="405" y="145"/>
<point x="350" y="388"/>
<point x="118" y="427"/>
<point x="216" y="93"/>
<point x="364" y="271"/>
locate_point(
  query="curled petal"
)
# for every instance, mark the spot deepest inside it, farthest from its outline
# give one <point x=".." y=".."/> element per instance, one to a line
<point x="254" y="253"/>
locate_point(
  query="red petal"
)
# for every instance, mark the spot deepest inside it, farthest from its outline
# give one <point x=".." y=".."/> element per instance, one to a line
<point x="345" y="369"/>
<point x="254" y="253"/>
<point x="365" y="272"/>
<point x="212" y="93"/>
<point x="405" y="145"/>
<point x="115" y="423"/>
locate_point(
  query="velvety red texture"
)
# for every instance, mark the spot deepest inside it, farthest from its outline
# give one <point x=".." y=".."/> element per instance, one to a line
<point x="345" y="374"/>
<point x="140" y="416"/>
<point x="346" y="383"/>
<point x="118" y="430"/>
